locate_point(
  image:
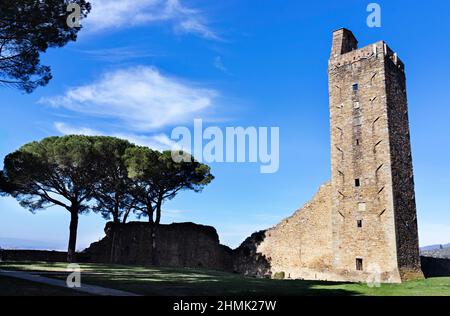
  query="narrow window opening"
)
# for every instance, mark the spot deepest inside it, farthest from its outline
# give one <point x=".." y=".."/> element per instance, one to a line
<point x="359" y="223"/>
<point x="357" y="142"/>
<point x="355" y="87"/>
<point x="359" y="264"/>
<point x="357" y="183"/>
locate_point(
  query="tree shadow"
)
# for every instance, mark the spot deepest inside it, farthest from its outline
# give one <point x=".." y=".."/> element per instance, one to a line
<point x="188" y="282"/>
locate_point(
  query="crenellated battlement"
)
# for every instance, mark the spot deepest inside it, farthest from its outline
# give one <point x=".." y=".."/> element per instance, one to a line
<point x="389" y="53"/>
<point x="377" y="50"/>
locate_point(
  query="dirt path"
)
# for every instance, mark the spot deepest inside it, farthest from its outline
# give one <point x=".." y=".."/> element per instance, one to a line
<point x="85" y="288"/>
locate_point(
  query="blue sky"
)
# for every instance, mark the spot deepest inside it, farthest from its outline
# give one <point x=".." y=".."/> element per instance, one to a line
<point x="142" y="67"/>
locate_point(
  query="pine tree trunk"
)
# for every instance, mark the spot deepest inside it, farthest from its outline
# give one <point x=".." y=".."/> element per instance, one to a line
<point x="158" y="211"/>
<point x="150" y="213"/>
<point x="116" y="218"/>
<point x="116" y="212"/>
<point x="125" y="216"/>
<point x="71" y="254"/>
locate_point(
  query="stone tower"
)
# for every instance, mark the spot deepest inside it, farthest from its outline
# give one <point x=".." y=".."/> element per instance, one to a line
<point x="373" y="220"/>
<point x="361" y="226"/>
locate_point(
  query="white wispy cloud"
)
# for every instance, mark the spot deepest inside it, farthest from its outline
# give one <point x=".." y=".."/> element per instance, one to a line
<point x="196" y="26"/>
<point x="117" y="54"/>
<point x="219" y="65"/>
<point x="70" y="130"/>
<point x="140" y="97"/>
<point x="158" y="141"/>
<point x="115" y="14"/>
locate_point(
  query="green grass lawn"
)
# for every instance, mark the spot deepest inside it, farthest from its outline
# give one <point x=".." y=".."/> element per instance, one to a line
<point x="176" y="281"/>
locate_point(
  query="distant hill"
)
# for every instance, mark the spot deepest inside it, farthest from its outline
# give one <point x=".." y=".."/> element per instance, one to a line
<point x="434" y="247"/>
<point x="17" y="243"/>
<point x="436" y="251"/>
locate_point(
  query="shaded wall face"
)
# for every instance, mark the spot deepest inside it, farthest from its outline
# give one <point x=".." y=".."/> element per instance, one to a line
<point x="363" y="211"/>
<point x="402" y="169"/>
<point x="435" y="267"/>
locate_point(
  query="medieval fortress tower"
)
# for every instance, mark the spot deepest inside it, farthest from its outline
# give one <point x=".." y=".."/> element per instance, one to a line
<point x="373" y="202"/>
<point x="361" y="226"/>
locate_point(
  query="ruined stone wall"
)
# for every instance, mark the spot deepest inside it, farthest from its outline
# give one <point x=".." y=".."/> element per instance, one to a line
<point x="299" y="246"/>
<point x="32" y="255"/>
<point x="174" y="245"/>
<point x="435" y="267"/>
